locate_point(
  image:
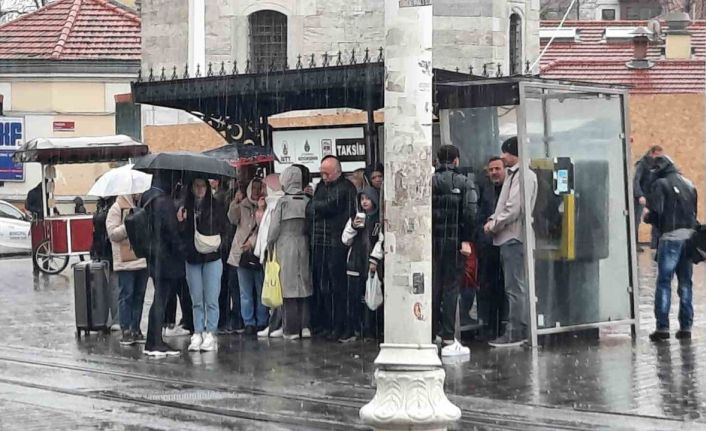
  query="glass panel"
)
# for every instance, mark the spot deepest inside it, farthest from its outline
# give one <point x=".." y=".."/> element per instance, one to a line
<point x="580" y="222"/>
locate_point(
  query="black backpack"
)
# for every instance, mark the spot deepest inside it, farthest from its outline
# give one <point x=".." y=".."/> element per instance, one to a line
<point x="138" y="228"/>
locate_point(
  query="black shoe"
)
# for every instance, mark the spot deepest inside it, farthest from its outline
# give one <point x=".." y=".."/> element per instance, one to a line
<point x="659" y="336"/>
<point x="506" y="341"/>
<point x="261" y="328"/>
<point x="127" y="339"/>
<point x="250" y="330"/>
<point x="168" y="350"/>
<point x="683" y="334"/>
<point x="347" y="338"/>
<point x="138" y="337"/>
<point x="332" y="336"/>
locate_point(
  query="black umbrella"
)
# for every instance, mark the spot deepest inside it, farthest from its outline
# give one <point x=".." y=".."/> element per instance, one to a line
<point x="185" y="162"/>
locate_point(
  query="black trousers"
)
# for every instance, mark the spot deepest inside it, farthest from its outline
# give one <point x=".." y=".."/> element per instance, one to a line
<point x="224" y="299"/>
<point x="296" y="316"/>
<point x="162" y="289"/>
<point x="354" y="305"/>
<point x="180" y="290"/>
<point x="447" y="275"/>
<point x="330" y="287"/>
<point x="492" y="303"/>
<point x="234" y="319"/>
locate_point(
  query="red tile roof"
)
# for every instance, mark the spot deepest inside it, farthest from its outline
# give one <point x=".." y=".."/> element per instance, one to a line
<point x="590" y="58"/>
<point x="73" y="30"/>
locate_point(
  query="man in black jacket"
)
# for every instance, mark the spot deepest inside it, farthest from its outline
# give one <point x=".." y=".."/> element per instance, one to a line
<point x="672" y="209"/>
<point x="329" y="210"/>
<point x="454" y="219"/>
<point x="165" y="259"/>
<point x="642" y="183"/>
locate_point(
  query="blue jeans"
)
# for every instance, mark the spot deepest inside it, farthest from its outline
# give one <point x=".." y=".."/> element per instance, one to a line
<point x="251" y="308"/>
<point x="671" y="259"/>
<point x="131" y="298"/>
<point x="204" y="286"/>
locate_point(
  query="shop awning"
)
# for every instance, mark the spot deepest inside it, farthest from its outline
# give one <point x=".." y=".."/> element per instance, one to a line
<point x="98" y="149"/>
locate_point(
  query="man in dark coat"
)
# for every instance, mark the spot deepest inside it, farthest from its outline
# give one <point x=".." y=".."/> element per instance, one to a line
<point x="34" y="202"/>
<point x="672" y="209"/>
<point x="454" y="219"/>
<point x="332" y="205"/>
<point x="491" y="294"/>
<point x="165" y="259"/>
<point x="642" y="183"/>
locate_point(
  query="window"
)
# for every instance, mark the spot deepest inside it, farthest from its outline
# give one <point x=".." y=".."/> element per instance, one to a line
<point x="268" y="40"/>
<point x="8" y="211"/>
<point x="608" y="14"/>
<point x="515" y="44"/>
<point x="641" y="9"/>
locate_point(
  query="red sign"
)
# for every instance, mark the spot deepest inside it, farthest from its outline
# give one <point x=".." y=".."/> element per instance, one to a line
<point x="64" y="126"/>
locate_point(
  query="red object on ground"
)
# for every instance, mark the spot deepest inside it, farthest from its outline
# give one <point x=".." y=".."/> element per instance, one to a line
<point x="470" y="276"/>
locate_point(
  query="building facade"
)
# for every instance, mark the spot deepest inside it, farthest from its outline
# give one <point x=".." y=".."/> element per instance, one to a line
<point x="60" y="68"/>
<point x="612" y="10"/>
<point x="271" y="33"/>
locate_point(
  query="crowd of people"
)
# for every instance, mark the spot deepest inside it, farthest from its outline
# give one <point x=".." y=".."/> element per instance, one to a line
<point x="209" y="242"/>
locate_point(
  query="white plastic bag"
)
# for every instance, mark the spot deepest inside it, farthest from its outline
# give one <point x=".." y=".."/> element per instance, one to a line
<point x="373" y="292"/>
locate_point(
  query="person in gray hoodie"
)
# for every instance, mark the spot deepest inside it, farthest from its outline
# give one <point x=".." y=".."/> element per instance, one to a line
<point x="287" y="238"/>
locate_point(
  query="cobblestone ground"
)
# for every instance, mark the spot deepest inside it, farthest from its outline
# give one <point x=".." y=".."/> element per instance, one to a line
<point x="51" y="380"/>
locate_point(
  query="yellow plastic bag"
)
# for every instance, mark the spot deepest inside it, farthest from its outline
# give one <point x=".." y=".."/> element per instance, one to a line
<point x="272" y="289"/>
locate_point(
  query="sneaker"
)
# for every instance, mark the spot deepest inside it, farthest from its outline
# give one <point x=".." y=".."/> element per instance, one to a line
<point x="168" y="350"/>
<point x="347" y="338"/>
<point x="127" y="339"/>
<point x="209" y="343"/>
<point x="306" y="333"/>
<point x="155" y="353"/>
<point x="455" y="349"/>
<point x="263" y="333"/>
<point x="175" y="331"/>
<point x="292" y="337"/>
<point x="683" y="334"/>
<point x="250" y="331"/>
<point x="115" y="327"/>
<point x="239" y="330"/>
<point x="277" y="333"/>
<point x="659" y="335"/>
<point x="196" y="341"/>
<point x="138" y="337"/>
<point x="505" y="341"/>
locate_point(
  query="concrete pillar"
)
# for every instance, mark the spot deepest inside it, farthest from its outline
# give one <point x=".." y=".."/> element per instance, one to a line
<point x="197" y="36"/>
<point x="410" y="380"/>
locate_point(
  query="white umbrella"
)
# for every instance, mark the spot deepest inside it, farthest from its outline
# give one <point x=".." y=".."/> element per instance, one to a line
<point x="121" y="181"/>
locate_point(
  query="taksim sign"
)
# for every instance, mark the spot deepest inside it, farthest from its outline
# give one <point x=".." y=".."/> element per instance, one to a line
<point x="11" y="132"/>
<point x="309" y="146"/>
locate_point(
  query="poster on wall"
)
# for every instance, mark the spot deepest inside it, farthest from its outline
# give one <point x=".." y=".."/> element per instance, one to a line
<point x="309" y="146"/>
<point x="12" y="137"/>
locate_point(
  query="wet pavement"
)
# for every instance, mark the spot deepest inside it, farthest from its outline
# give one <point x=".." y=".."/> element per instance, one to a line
<point x="49" y="379"/>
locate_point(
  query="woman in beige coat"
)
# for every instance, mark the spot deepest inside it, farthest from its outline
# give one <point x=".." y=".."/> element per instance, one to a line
<point x="132" y="272"/>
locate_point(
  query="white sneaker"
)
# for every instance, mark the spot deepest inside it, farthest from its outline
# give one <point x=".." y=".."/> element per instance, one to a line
<point x="278" y="333"/>
<point x="196" y="342"/>
<point x="209" y="343"/>
<point x="176" y="331"/>
<point x="115" y="327"/>
<point x="155" y="353"/>
<point x="292" y="337"/>
<point x="455" y="349"/>
<point x="306" y="333"/>
<point x="264" y="333"/>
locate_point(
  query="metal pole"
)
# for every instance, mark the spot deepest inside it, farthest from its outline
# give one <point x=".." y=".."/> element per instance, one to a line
<point x="409" y="376"/>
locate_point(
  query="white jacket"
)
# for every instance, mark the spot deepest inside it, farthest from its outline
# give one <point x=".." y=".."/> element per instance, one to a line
<point x="261" y="242"/>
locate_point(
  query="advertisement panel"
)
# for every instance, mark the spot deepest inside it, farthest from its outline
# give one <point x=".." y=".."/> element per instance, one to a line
<point x="12" y="136"/>
<point x="308" y="146"/>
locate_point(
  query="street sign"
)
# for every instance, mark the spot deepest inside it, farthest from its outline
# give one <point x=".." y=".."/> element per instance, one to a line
<point x="12" y="137"/>
<point x="64" y="126"/>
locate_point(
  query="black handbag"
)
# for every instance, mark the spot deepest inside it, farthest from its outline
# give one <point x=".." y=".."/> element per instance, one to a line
<point x="248" y="260"/>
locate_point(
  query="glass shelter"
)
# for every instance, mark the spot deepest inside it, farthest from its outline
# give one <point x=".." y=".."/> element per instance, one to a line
<point x="580" y="260"/>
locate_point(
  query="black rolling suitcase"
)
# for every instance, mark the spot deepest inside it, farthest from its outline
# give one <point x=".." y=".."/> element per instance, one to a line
<point x="91" y="294"/>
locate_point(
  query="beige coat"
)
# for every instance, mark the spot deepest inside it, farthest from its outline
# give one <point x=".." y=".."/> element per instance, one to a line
<point x="123" y="257"/>
<point x="242" y="215"/>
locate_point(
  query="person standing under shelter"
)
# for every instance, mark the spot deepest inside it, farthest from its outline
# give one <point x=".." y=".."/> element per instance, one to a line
<point x="506" y="227"/>
<point x="328" y="211"/>
<point x="671" y="208"/>
<point x="454" y="212"/>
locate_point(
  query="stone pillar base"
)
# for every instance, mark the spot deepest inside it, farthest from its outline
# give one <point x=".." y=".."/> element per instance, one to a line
<point x="410" y="400"/>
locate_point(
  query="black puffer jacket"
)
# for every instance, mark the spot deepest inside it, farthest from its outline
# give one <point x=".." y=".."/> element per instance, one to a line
<point x="329" y="210"/>
<point x="642" y="183"/>
<point x="454" y="207"/>
<point x="166" y="255"/>
<point x="672" y="202"/>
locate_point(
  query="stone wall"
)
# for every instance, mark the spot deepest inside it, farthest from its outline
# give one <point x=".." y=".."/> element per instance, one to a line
<point x="466" y="32"/>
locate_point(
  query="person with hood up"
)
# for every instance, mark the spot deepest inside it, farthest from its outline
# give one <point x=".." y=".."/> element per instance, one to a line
<point x="287" y="238"/>
<point x="274" y="193"/>
<point x="203" y="216"/>
<point x="132" y="271"/>
<point x="671" y="207"/>
<point x="362" y="233"/>
<point x="641" y="186"/>
<point x="251" y="276"/>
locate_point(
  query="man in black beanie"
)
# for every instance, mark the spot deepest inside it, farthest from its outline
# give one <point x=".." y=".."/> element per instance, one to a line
<point x="506" y="226"/>
<point x="454" y="211"/>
